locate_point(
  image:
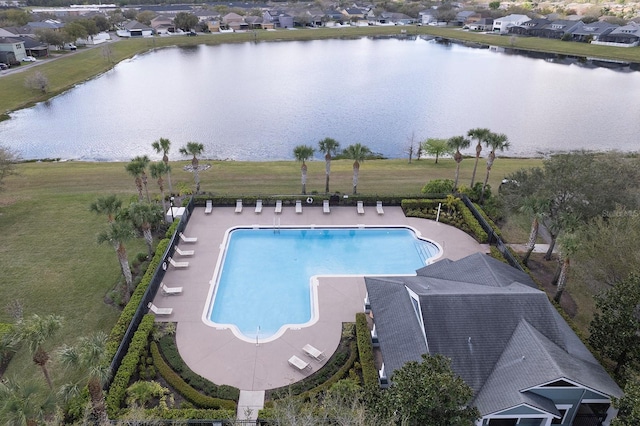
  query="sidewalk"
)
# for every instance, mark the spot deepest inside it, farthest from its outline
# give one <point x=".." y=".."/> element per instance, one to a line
<point x="539" y="248"/>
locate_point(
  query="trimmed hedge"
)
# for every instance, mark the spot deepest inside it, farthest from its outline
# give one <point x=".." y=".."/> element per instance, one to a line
<point x="365" y="351"/>
<point x="118" y="330"/>
<point x="270" y="200"/>
<point x="128" y="367"/>
<point x="189" y="413"/>
<point x="339" y="375"/>
<point x="472" y="222"/>
<point x="183" y="388"/>
<point x="167" y="346"/>
<point x="491" y="223"/>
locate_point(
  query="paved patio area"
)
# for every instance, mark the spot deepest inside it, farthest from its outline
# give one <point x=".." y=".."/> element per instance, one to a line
<point x="224" y="359"/>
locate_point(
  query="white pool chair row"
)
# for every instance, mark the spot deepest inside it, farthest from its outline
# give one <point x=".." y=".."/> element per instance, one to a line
<point x="325" y="207"/>
<point x="159" y="311"/>
<point x="239" y="206"/>
<point x="278" y="206"/>
<point x="186" y="239"/>
<point x="185" y="252"/>
<point x="298" y="206"/>
<point x="170" y="291"/>
<point x="379" y="207"/>
<point x="259" y="206"/>
<point x="360" y="207"/>
<point x="178" y="264"/>
<point x="209" y="208"/>
<point x="317" y="354"/>
<point x="299" y="364"/>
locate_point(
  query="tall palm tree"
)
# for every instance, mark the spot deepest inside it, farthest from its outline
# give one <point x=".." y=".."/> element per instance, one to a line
<point x="494" y="141"/>
<point x="194" y="149"/>
<point x="109" y="205"/>
<point x="144" y="161"/>
<point x="163" y="145"/>
<point x="358" y="153"/>
<point x="118" y="233"/>
<point x="89" y="357"/>
<point x="34" y="332"/>
<point x="303" y="153"/>
<point x="568" y="244"/>
<point x="158" y="170"/>
<point x="135" y="168"/>
<point x="533" y="207"/>
<point x="329" y="147"/>
<point x="24" y="403"/>
<point x="480" y="134"/>
<point x="144" y="216"/>
<point x="457" y="143"/>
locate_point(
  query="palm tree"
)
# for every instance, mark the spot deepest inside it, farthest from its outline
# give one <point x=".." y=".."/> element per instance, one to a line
<point x="358" y="153"/>
<point x="35" y="331"/>
<point x="480" y="134"/>
<point x="457" y="143"/>
<point x="493" y="141"/>
<point x="109" y="204"/>
<point x="303" y="153"/>
<point x="136" y="168"/>
<point x="144" y="216"/>
<point x="163" y="145"/>
<point x="567" y="246"/>
<point x="24" y="403"/>
<point x="89" y="357"/>
<point x="194" y="149"/>
<point x="533" y="207"/>
<point x="328" y="146"/>
<point x="157" y="170"/>
<point x="118" y="233"/>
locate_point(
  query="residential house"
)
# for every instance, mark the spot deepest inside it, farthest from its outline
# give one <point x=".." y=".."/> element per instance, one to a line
<point x="397" y="18"/>
<point x="135" y="29"/>
<point x="427" y="16"/>
<point x="560" y="28"/>
<point x="464" y="17"/>
<point x="278" y="18"/>
<point x="532" y="28"/>
<point x="502" y="25"/>
<point x="234" y="21"/>
<point x="33" y="47"/>
<point x="484" y="24"/>
<point x="163" y="24"/>
<point x="505" y="339"/>
<point x="592" y="31"/>
<point x="624" y="36"/>
<point x="12" y="50"/>
<point x="254" y="22"/>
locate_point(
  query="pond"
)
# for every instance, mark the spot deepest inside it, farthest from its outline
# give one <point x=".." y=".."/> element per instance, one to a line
<point x="257" y="101"/>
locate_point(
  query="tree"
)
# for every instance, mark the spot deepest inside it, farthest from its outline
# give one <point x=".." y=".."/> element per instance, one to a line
<point x="163" y="145"/>
<point x="194" y="149"/>
<point x="37" y="81"/>
<point x="158" y="170"/>
<point x="628" y="406"/>
<point x="303" y="153"/>
<point x="88" y="356"/>
<point x="24" y="403"/>
<point x="457" y="143"/>
<point x="494" y="141"/>
<point x="185" y="21"/>
<point x="568" y="245"/>
<point x="436" y="147"/>
<point x="109" y="205"/>
<point x="8" y="159"/>
<point x="615" y="328"/>
<point x="145" y="17"/>
<point x="117" y="234"/>
<point x="35" y="331"/>
<point x="479" y="134"/>
<point x="144" y="216"/>
<point x="329" y="147"/>
<point x="136" y="168"/>
<point x="89" y="25"/>
<point x="54" y="38"/>
<point x="533" y="207"/>
<point x="411" y="146"/>
<point x="494" y="5"/>
<point x="102" y="23"/>
<point x="358" y="153"/>
<point x="430" y="393"/>
<point x="73" y="31"/>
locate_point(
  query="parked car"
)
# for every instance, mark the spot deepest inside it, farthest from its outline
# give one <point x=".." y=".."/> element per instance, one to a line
<point x="4" y="66"/>
<point x="69" y="46"/>
<point x="28" y="59"/>
<point x="191" y="34"/>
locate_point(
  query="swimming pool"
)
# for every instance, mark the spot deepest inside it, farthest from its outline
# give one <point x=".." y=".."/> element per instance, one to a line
<point x="261" y="285"/>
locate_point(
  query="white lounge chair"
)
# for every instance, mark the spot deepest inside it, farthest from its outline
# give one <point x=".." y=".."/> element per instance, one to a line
<point x="209" y="208"/>
<point x="325" y="207"/>
<point x="259" y="206"/>
<point x="188" y="239"/>
<point x="170" y="291"/>
<point x="239" y="206"/>
<point x="360" y="207"/>
<point x="159" y="311"/>
<point x="379" y="207"/>
<point x="185" y="252"/>
<point x="296" y="362"/>
<point x="298" y="206"/>
<point x="313" y="352"/>
<point x="278" y="206"/>
<point x="178" y="264"/>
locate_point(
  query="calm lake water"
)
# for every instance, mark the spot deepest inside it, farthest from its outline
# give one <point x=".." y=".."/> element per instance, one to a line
<point x="258" y="101"/>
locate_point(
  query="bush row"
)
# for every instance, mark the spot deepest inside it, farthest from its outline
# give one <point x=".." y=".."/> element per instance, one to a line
<point x="189" y="413"/>
<point x="169" y="350"/>
<point x="138" y="346"/>
<point x="365" y="351"/>
<point x="472" y="222"/>
<point x="118" y="330"/>
<point x="183" y="388"/>
<point x="493" y="226"/>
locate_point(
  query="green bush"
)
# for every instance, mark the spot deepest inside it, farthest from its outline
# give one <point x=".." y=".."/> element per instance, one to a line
<point x="183" y="388"/>
<point x="137" y="347"/>
<point x="472" y="223"/>
<point x="365" y="351"/>
<point x="190" y="413"/>
<point x="438" y="186"/>
<point x="496" y="230"/>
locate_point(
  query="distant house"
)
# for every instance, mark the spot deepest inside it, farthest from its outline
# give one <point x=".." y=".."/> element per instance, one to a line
<point x="592" y="31"/>
<point x="12" y="50"/>
<point x="624" y="36"/>
<point x="35" y="48"/>
<point x="427" y="16"/>
<point x="559" y="28"/>
<point x="532" y="28"/>
<point x="464" y="17"/>
<point x="135" y="29"/>
<point x="163" y="24"/>
<point x="277" y="18"/>
<point x="234" y="21"/>
<point x="502" y="25"/>
<point x="505" y="339"/>
<point x="484" y="24"/>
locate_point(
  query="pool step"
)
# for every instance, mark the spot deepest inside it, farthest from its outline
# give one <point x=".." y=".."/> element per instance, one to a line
<point x="423" y="252"/>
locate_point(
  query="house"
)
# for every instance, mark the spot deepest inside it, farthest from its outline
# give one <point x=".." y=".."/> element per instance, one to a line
<point x="12" y="50"/>
<point x="465" y="17"/>
<point x="163" y="24"/>
<point x="484" y="24"/>
<point x="425" y="17"/>
<point x="135" y="29"/>
<point x="624" y="36"/>
<point x="502" y="25"/>
<point x="34" y="48"/>
<point x="234" y="21"/>
<point x="505" y="339"/>
<point x="532" y="28"/>
<point x="592" y="31"/>
<point x="560" y="28"/>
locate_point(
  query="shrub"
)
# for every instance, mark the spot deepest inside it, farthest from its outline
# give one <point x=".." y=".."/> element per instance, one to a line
<point x="128" y="367"/>
<point x="438" y="186"/>
<point x="496" y="230"/>
<point x="472" y="223"/>
<point x="190" y="413"/>
<point x="365" y="350"/>
<point x="183" y="388"/>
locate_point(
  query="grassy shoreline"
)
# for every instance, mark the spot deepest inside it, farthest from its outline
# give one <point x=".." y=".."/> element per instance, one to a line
<point x="70" y="70"/>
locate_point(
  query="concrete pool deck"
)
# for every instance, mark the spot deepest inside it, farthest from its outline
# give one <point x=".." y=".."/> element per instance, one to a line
<point x="217" y="354"/>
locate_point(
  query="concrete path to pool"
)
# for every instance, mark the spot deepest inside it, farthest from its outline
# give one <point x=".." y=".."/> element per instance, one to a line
<point x="223" y="358"/>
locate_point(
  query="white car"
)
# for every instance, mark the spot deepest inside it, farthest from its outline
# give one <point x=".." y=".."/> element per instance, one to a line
<point x="28" y="59"/>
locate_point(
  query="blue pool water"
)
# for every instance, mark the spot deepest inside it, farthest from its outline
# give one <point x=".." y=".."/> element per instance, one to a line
<point x="263" y="283"/>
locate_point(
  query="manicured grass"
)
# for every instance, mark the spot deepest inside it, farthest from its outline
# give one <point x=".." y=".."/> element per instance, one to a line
<point x="71" y="69"/>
